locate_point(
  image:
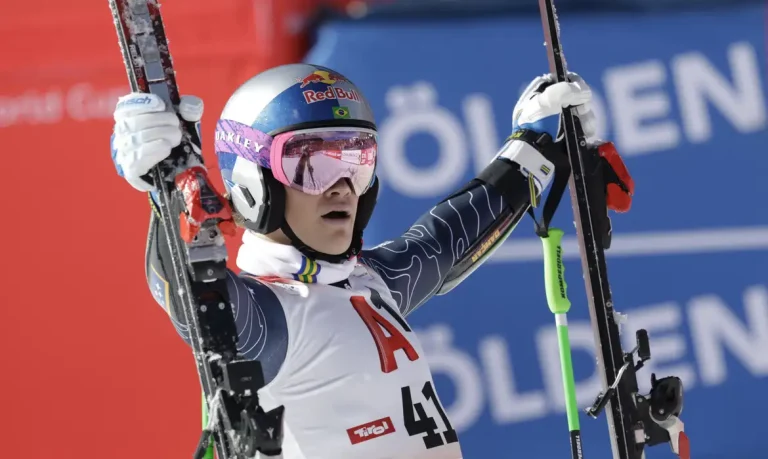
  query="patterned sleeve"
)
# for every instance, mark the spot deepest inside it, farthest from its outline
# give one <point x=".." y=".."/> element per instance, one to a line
<point x="416" y="264"/>
<point x="262" y="331"/>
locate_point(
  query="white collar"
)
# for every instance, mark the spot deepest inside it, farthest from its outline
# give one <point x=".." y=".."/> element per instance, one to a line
<point x="260" y="256"/>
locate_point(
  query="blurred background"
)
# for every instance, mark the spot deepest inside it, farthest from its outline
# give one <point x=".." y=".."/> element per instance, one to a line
<point x="90" y="366"/>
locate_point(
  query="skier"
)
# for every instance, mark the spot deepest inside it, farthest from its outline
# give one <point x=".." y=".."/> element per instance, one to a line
<point x="325" y="317"/>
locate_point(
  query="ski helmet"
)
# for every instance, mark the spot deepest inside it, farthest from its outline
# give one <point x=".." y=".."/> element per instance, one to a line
<point x="271" y="113"/>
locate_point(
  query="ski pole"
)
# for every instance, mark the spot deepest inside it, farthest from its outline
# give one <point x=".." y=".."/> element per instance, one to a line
<point x="557" y="298"/>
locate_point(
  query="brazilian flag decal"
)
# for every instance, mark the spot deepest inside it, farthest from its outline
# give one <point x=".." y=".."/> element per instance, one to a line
<point x="341" y="113"/>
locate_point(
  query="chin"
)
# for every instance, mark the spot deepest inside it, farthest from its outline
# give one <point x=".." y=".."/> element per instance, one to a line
<point x="339" y="248"/>
<point x="331" y="239"/>
<point x="337" y="243"/>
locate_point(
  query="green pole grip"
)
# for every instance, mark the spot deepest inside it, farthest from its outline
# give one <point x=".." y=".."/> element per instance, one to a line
<point x="554" y="273"/>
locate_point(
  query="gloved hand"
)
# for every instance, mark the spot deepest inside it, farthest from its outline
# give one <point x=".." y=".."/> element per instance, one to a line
<point x="145" y="133"/>
<point x="541" y="104"/>
<point x="539" y="109"/>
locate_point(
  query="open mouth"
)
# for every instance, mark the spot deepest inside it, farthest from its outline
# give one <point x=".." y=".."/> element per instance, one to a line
<point x="336" y="215"/>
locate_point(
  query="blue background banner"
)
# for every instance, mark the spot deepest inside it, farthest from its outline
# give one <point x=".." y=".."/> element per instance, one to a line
<point x="687" y="110"/>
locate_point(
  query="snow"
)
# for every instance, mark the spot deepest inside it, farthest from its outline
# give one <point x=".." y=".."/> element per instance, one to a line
<point x="138" y="24"/>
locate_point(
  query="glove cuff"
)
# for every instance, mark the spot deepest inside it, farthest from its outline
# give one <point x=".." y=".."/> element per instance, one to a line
<point x="528" y="149"/>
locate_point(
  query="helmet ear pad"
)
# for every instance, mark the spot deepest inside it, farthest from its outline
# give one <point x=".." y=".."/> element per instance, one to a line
<point x="365" y="206"/>
<point x="257" y="196"/>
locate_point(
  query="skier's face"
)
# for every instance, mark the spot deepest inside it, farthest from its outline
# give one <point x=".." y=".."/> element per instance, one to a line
<point x="324" y="222"/>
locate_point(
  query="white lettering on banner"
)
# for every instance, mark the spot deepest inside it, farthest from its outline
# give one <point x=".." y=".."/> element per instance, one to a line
<point x="640" y="107"/>
<point x="31" y="107"/>
<point x="478" y="110"/>
<point x="715" y="330"/>
<point x="80" y="102"/>
<point x="637" y="114"/>
<point x="415" y="110"/>
<point x="698" y="82"/>
<point x="509" y="405"/>
<point x="84" y="102"/>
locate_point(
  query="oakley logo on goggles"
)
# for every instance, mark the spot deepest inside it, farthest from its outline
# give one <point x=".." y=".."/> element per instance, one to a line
<point x="309" y="160"/>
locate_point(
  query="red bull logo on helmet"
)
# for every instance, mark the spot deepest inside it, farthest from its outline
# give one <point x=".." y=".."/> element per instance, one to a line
<point x="322" y="76"/>
<point x="332" y="92"/>
<point x="312" y="96"/>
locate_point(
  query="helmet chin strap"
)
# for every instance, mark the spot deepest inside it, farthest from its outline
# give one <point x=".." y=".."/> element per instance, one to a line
<point x="354" y="248"/>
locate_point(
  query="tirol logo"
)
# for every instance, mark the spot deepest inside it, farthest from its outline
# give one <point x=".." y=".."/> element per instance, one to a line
<point x="322" y="76"/>
<point x="311" y="96"/>
<point x="370" y="430"/>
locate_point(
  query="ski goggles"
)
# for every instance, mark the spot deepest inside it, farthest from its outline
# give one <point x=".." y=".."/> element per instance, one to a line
<point x="313" y="160"/>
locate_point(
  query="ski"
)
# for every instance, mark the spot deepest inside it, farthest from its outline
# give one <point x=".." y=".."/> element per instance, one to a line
<point x="634" y="420"/>
<point x="195" y="218"/>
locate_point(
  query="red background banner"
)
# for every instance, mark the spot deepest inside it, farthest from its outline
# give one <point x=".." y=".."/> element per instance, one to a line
<point x="91" y="367"/>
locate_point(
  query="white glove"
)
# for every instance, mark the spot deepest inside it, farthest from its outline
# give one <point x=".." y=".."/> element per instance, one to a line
<point x="540" y="110"/>
<point x="145" y="132"/>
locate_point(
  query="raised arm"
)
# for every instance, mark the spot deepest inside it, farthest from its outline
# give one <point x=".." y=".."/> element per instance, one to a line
<point x="457" y="235"/>
<point x="261" y="326"/>
<point x="144" y="135"/>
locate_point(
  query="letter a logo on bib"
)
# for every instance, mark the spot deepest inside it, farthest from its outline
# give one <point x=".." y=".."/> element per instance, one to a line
<point x="386" y="345"/>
